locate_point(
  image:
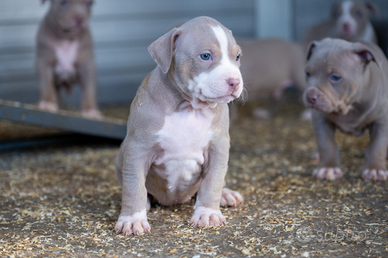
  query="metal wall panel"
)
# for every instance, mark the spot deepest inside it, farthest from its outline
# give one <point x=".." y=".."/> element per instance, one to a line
<point x="122" y="31"/>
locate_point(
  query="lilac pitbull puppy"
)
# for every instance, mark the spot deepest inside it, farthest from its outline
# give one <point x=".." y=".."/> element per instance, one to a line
<point x="348" y="86"/>
<point x="65" y="55"/>
<point x="178" y="128"/>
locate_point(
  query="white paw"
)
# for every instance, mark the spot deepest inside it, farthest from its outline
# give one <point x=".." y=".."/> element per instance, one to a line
<point x="48" y="106"/>
<point x="306" y="115"/>
<point x="204" y="217"/>
<point x="230" y="198"/>
<point x="374" y="174"/>
<point x="261" y="113"/>
<point x="92" y="113"/>
<point x="136" y="224"/>
<point x="327" y="173"/>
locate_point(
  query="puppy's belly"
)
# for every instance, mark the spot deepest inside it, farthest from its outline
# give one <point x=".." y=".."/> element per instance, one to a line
<point x="184" y="138"/>
<point x="174" y="182"/>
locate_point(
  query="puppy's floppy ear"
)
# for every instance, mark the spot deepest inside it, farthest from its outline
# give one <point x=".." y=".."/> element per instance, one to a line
<point x="162" y="49"/>
<point x="310" y="49"/>
<point x="366" y="54"/>
<point x="373" y="9"/>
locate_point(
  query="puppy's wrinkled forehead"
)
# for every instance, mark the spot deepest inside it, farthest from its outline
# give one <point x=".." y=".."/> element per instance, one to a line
<point x="335" y="55"/>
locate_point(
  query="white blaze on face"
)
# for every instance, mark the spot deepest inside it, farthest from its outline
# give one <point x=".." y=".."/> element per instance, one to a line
<point x="213" y="86"/>
<point x="347" y="18"/>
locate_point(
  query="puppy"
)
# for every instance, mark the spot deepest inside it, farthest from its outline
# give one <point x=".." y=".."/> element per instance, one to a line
<point x="65" y="55"/>
<point x="348" y="88"/>
<point x="349" y="21"/>
<point x="270" y="66"/>
<point x="178" y="140"/>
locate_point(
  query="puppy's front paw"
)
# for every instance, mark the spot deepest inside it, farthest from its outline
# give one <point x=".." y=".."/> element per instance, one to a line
<point x="48" y="106"/>
<point x="204" y="217"/>
<point x="136" y="224"/>
<point x="374" y="174"/>
<point x="327" y="173"/>
<point x="92" y="113"/>
<point x="230" y="198"/>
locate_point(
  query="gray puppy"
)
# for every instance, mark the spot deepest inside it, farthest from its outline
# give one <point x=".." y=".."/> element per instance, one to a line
<point x="65" y="55"/>
<point x="348" y="86"/>
<point x="178" y="128"/>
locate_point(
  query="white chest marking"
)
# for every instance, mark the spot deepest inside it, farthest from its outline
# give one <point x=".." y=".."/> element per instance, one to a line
<point x="185" y="134"/>
<point x="66" y="54"/>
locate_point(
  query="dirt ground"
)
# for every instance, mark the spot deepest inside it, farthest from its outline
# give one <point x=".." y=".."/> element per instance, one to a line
<point x="63" y="201"/>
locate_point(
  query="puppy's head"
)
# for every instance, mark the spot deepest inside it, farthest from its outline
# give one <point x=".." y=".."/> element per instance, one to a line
<point x="203" y="59"/>
<point x="352" y="17"/>
<point x="336" y="71"/>
<point x="71" y="16"/>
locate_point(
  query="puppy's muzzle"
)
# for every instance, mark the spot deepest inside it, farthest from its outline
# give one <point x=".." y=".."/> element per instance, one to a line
<point x="311" y="98"/>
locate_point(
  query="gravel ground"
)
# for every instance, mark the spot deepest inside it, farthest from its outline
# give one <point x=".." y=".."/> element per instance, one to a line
<point x="63" y="201"/>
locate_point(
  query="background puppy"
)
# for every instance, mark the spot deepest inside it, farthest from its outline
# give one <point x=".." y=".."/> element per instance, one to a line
<point x="65" y="55"/>
<point x="349" y="20"/>
<point x="270" y="66"/>
<point x="348" y="88"/>
<point x="178" y="128"/>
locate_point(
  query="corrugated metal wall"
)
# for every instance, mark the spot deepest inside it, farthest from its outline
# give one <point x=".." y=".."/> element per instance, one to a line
<point x="122" y="31"/>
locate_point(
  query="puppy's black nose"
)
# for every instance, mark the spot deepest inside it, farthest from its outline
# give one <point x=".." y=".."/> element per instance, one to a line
<point x="233" y="83"/>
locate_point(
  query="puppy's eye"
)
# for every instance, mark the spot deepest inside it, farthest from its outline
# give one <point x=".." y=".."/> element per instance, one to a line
<point x="64" y="2"/>
<point x="206" y="56"/>
<point x="335" y="78"/>
<point x="308" y="74"/>
<point x="238" y="57"/>
<point x="89" y="4"/>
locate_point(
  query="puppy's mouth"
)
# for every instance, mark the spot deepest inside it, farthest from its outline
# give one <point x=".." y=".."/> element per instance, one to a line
<point x="221" y="99"/>
<point x="207" y="102"/>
